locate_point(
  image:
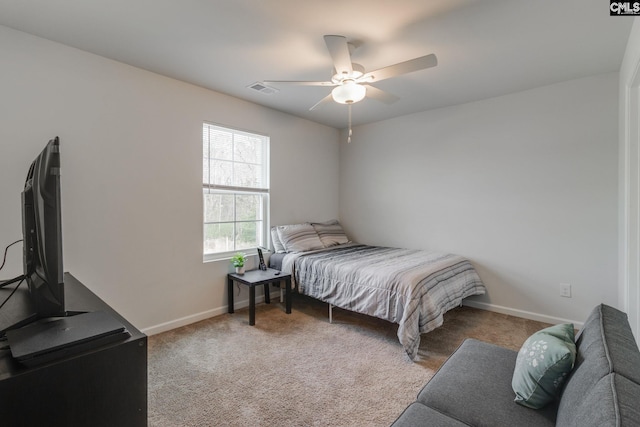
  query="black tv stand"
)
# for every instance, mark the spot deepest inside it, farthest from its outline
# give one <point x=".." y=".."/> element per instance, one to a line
<point x="101" y="386"/>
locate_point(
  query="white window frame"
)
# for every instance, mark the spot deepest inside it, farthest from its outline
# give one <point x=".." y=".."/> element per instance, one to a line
<point x="208" y="188"/>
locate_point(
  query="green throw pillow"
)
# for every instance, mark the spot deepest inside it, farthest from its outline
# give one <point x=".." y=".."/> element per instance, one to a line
<point x="544" y="362"/>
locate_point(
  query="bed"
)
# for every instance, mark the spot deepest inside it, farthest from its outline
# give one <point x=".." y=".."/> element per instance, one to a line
<point x="412" y="288"/>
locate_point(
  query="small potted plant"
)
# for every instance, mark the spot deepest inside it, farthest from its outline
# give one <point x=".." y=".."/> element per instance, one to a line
<point x="238" y="262"/>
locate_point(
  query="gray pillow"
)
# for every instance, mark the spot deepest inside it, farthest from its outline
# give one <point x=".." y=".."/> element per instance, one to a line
<point x="544" y="361"/>
<point x="330" y="233"/>
<point x="299" y="238"/>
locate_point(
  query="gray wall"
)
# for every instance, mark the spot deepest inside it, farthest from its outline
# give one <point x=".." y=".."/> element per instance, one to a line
<point x="525" y="185"/>
<point x="131" y="174"/>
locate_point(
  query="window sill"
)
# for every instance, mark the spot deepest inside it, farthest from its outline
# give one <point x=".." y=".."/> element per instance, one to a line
<point x="226" y="256"/>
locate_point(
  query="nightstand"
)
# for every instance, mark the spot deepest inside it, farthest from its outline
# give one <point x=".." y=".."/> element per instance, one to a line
<point x="253" y="278"/>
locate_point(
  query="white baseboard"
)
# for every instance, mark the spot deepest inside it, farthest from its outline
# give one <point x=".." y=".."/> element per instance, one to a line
<point x="193" y="318"/>
<point x="522" y="313"/>
<point x="187" y="320"/>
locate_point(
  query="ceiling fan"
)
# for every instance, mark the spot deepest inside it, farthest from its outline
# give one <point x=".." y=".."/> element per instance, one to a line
<point x="351" y="83"/>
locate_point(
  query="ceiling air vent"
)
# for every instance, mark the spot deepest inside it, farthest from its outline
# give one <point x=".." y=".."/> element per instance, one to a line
<point x="261" y="87"/>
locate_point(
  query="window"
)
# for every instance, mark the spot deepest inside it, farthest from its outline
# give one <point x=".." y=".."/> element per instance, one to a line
<point x="235" y="190"/>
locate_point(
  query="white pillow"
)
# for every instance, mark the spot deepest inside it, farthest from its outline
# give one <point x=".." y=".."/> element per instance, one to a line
<point x="275" y="240"/>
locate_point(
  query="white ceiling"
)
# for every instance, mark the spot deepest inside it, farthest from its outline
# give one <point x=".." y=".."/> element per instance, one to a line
<point x="485" y="48"/>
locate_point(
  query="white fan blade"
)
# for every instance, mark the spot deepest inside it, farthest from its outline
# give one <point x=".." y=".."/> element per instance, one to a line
<point x="339" y="51"/>
<point x="324" y="100"/>
<point x="299" y="83"/>
<point x="405" y="67"/>
<point x="380" y="95"/>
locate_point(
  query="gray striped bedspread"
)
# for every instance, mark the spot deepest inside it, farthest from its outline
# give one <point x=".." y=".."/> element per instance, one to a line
<point x="412" y="288"/>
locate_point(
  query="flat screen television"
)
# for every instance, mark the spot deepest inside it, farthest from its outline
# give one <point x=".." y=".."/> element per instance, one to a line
<point x="42" y="233"/>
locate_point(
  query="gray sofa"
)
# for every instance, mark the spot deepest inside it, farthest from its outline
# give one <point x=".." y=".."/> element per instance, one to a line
<point x="473" y="387"/>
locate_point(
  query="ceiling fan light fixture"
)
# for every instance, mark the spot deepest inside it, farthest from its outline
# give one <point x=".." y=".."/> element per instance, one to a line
<point x="349" y="93"/>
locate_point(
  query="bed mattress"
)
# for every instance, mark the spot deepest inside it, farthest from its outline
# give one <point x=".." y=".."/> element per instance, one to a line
<point x="412" y="288"/>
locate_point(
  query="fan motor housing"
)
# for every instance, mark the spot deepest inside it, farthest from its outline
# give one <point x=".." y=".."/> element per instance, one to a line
<point x="358" y="71"/>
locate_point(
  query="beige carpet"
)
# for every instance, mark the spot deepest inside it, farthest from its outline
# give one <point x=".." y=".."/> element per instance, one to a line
<point x="299" y="370"/>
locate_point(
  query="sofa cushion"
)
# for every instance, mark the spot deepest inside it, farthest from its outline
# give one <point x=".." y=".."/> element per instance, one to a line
<point x="613" y="401"/>
<point x="544" y="361"/>
<point x="474" y="386"/>
<point x="627" y="393"/>
<point x="418" y="414"/>
<point x="605" y="345"/>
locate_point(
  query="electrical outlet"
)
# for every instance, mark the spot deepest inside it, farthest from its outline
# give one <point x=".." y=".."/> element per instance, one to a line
<point x="565" y="290"/>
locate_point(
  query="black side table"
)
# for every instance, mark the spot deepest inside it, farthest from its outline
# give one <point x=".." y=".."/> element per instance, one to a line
<point x="253" y="278"/>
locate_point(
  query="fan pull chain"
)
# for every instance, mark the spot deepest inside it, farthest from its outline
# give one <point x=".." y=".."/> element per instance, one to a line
<point x="349" y="137"/>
